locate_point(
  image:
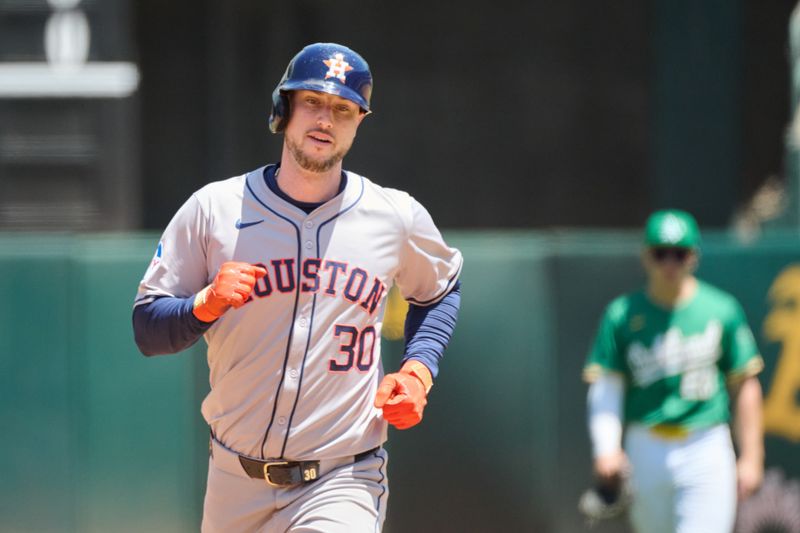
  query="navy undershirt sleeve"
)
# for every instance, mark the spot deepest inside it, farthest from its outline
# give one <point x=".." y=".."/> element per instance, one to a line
<point x="166" y="325"/>
<point x="428" y="329"/>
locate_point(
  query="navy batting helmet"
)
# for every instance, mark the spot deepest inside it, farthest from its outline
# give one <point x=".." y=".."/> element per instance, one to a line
<point x="326" y="67"/>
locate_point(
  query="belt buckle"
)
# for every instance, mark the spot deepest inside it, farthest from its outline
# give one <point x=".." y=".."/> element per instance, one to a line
<point x="266" y="472"/>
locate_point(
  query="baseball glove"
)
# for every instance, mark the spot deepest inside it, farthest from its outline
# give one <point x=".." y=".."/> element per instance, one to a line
<point x="606" y="500"/>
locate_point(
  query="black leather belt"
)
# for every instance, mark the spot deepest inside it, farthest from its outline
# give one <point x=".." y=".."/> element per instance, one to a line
<point x="288" y="473"/>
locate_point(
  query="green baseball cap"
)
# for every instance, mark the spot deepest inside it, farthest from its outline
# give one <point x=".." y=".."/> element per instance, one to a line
<point x="672" y="227"/>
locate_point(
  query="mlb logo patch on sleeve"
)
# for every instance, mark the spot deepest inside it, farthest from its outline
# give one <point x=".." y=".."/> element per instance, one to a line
<point x="156" y="257"/>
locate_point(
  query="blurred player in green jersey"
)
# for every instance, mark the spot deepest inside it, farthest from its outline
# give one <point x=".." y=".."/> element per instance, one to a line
<point x="666" y="363"/>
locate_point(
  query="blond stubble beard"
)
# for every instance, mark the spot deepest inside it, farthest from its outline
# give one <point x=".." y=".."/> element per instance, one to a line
<point x="313" y="165"/>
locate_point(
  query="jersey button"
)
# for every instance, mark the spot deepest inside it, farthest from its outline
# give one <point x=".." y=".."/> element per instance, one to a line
<point x="303" y="322"/>
<point x="293" y="373"/>
<point x="309" y="244"/>
<point x="309" y="224"/>
<point x="282" y="420"/>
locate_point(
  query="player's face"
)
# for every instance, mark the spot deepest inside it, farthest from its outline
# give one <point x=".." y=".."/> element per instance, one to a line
<point x="321" y="129"/>
<point x="669" y="265"/>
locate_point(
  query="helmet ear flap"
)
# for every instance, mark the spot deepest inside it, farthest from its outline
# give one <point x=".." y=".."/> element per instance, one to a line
<point x="280" y="111"/>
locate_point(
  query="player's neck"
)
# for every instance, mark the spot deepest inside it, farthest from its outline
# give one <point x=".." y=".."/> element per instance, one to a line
<point x="306" y="186"/>
<point x="671" y="295"/>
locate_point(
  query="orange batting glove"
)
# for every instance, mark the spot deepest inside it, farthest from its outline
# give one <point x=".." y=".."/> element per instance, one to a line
<point x="231" y="288"/>
<point x="403" y="395"/>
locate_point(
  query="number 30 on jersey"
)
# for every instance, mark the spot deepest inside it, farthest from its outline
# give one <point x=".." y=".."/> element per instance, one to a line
<point x="357" y="347"/>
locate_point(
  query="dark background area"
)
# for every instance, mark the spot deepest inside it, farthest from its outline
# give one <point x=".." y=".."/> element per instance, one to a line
<point x="498" y="114"/>
<point x="502" y="114"/>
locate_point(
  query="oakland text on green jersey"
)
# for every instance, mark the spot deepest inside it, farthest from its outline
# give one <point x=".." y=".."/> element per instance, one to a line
<point x="675" y="361"/>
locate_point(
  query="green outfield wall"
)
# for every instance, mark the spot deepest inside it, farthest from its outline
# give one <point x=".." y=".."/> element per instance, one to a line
<point x="99" y="438"/>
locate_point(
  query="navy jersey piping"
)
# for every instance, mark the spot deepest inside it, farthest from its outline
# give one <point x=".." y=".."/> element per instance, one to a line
<point x="294" y="311"/>
<point x="446" y="290"/>
<point x="383" y="491"/>
<point x="311" y="321"/>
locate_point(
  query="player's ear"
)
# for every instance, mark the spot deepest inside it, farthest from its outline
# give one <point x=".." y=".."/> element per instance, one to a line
<point x="694" y="260"/>
<point x="648" y="263"/>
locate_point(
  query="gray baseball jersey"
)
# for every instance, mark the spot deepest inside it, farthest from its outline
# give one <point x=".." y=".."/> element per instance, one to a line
<point x="295" y="370"/>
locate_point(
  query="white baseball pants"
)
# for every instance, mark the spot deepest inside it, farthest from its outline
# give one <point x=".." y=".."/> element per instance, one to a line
<point x="682" y="486"/>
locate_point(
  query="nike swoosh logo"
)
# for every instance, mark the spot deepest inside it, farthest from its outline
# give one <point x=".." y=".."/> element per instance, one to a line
<point x="242" y="225"/>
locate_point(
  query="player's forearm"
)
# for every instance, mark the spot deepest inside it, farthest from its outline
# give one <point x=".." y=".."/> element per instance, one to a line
<point x="428" y="329"/>
<point x="166" y="325"/>
<point x="748" y="425"/>
<point x="605" y="402"/>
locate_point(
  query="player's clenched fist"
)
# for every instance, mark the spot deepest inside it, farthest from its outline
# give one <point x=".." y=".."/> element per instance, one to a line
<point x="231" y="287"/>
<point x="403" y="396"/>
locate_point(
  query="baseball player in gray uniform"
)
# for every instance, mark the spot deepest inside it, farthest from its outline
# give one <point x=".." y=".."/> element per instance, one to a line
<point x="285" y="271"/>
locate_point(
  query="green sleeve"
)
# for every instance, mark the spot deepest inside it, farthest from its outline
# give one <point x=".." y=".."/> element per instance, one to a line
<point x="606" y="352"/>
<point x="740" y="357"/>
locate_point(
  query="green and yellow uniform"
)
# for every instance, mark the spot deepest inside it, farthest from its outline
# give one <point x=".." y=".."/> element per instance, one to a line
<point x="675" y="361"/>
